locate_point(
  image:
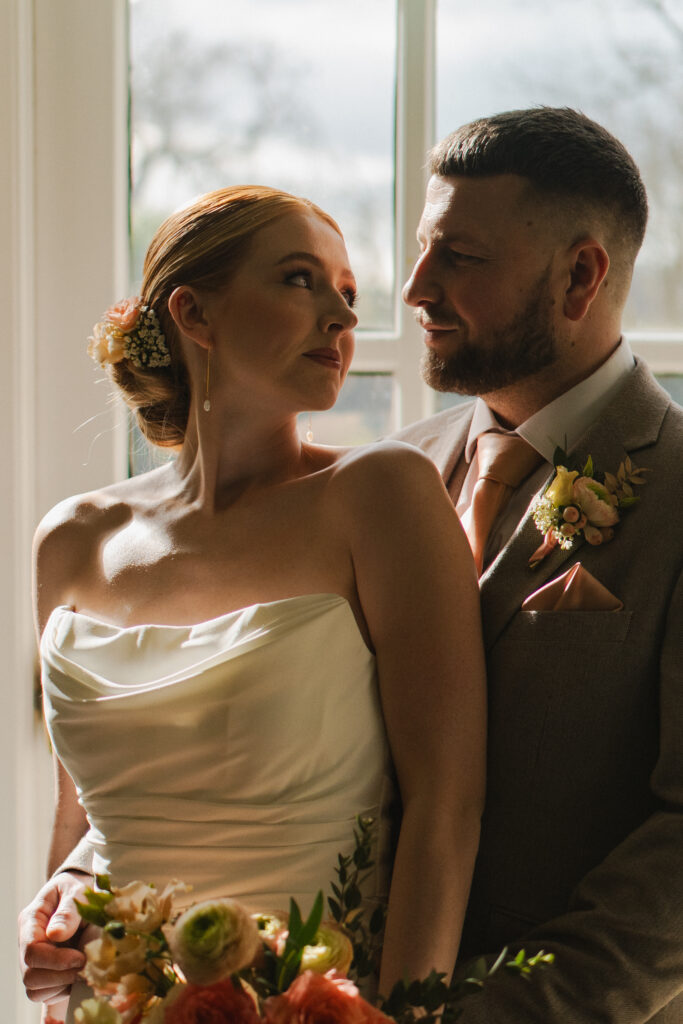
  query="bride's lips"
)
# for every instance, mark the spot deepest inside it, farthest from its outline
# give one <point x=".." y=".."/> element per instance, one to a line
<point x="326" y="357"/>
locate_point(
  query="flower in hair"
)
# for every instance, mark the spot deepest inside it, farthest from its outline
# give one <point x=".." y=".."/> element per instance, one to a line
<point x="129" y="330"/>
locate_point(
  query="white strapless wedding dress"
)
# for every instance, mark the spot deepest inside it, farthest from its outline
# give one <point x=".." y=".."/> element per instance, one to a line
<point x="233" y="754"/>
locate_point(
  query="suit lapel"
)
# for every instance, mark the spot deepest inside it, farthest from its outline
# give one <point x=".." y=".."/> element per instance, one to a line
<point x="446" y="448"/>
<point x="633" y="420"/>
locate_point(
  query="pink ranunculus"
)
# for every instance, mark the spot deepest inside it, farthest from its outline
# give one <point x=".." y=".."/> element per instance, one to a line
<point x="593" y="535"/>
<point x="125" y="314"/>
<point x="321" y="999"/>
<point x="220" y="1003"/>
<point x="595" y="501"/>
<point x="571" y="514"/>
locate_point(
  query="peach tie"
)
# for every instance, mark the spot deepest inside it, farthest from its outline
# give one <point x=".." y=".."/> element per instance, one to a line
<point x="504" y="461"/>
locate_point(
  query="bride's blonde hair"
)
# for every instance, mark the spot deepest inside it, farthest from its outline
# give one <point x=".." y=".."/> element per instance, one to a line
<point x="198" y="245"/>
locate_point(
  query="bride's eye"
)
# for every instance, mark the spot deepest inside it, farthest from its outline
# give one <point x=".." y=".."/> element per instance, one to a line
<point x="300" y="279"/>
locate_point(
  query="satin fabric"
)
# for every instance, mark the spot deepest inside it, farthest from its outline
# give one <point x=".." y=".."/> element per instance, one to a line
<point x="233" y="754"/>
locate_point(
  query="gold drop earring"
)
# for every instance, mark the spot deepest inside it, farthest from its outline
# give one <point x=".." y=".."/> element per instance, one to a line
<point x="207" y="400"/>
<point x="309" y="429"/>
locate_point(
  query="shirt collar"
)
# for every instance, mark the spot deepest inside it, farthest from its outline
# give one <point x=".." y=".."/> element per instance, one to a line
<point x="567" y="417"/>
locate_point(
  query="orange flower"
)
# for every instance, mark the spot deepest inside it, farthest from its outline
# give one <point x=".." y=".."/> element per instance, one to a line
<point x="222" y="1003"/>
<point x="321" y="999"/>
<point x="125" y="314"/>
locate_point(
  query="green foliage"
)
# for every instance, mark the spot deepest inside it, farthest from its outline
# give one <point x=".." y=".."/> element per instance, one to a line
<point x="440" y="1002"/>
<point x="93" y="910"/>
<point x="301" y="933"/>
<point x="345" y="904"/>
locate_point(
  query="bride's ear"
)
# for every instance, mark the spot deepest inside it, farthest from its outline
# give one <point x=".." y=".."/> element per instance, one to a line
<point x="187" y="310"/>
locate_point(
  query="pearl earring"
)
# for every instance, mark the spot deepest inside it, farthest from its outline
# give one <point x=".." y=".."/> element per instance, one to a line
<point x="207" y="400"/>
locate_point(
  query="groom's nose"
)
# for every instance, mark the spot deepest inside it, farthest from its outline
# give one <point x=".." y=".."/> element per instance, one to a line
<point x="422" y="286"/>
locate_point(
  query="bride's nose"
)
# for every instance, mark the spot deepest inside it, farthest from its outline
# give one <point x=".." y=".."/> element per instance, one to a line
<point x="337" y="314"/>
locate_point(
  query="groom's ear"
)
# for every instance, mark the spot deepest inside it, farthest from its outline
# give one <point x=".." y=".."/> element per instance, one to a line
<point x="588" y="266"/>
<point x="186" y="307"/>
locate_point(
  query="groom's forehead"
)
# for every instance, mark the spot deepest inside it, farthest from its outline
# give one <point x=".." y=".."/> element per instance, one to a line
<point x="476" y="208"/>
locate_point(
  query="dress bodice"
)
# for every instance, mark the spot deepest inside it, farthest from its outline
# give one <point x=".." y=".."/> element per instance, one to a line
<point x="233" y="754"/>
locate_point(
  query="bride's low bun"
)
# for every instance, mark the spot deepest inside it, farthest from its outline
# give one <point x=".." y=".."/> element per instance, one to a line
<point x="159" y="399"/>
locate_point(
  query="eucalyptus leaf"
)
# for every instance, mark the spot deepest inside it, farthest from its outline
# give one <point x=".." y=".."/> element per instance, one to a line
<point x="335" y="908"/>
<point x="352" y="897"/>
<point x="93" y="915"/>
<point x="98" y="900"/>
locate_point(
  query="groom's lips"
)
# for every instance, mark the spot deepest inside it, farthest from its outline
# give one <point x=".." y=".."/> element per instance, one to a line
<point x="434" y="334"/>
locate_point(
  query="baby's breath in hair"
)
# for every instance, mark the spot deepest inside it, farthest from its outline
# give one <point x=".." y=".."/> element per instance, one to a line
<point x="129" y="330"/>
<point x="145" y="344"/>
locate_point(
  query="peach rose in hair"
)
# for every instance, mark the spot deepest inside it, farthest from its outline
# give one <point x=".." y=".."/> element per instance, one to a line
<point x="125" y="314"/>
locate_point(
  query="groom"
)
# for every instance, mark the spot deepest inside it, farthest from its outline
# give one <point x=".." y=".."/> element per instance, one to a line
<point x="531" y="226"/>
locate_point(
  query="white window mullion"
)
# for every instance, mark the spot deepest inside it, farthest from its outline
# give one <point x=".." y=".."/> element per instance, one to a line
<point x="414" y="136"/>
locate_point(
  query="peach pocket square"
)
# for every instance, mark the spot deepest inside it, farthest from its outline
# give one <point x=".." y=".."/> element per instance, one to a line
<point x="575" y="590"/>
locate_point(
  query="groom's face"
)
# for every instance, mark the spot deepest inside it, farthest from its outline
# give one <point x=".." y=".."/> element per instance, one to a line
<point x="483" y="284"/>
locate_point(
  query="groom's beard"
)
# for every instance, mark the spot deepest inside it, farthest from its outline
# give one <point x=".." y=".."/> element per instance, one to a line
<point x="510" y="353"/>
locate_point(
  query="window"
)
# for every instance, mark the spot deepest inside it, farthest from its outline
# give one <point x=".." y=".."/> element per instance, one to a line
<point x="334" y="101"/>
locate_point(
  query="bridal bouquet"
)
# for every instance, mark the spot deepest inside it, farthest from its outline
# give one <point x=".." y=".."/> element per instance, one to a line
<point x="217" y="964"/>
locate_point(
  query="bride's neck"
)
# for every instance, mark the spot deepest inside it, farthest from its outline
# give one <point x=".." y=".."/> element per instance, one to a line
<point x="224" y="456"/>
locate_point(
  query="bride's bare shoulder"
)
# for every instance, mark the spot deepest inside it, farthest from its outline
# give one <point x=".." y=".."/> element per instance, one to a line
<point x="67" y="543"/>
<point x="73" y="525"/>
<point x="387" y="469"/>
<point x="390" y="456"/>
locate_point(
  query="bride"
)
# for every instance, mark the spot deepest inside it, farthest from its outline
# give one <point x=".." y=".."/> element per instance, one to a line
<point x="243" y="648"/>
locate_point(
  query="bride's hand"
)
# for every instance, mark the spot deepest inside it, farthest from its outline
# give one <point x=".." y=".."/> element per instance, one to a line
<point x="47" y="927"/>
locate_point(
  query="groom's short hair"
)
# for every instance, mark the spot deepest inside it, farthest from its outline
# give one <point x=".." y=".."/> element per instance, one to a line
<point x="567" y="158"/>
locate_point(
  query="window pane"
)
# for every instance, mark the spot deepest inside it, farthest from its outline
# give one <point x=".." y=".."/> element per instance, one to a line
<point x="297" y="94"/>
<point x="621" y="63"/>
<point x="361" y="415"/>
<point x="673" y="383"/>
<point x="447" y="399"/>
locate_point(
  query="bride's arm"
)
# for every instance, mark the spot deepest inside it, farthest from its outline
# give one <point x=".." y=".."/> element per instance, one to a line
<point x="419" y="593"/>
<point x="47" y="968"/>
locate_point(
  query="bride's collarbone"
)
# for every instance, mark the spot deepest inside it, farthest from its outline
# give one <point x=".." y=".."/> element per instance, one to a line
<point x="196" y="568"/>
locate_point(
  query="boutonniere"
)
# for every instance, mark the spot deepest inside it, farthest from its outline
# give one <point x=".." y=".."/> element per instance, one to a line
<point x="577" y="502"/>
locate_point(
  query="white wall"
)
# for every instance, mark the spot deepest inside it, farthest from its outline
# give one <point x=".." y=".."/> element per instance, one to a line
<point x="62" y="221"/>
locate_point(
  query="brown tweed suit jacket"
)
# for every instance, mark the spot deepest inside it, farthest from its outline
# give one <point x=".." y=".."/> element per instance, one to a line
<point x="582" y="842"/>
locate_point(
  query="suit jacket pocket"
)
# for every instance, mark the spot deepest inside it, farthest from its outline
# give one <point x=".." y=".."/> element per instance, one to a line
<point x="569" y="627"/>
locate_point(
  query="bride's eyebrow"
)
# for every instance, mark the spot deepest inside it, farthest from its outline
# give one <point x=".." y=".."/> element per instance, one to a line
<point x="309" y="256"/>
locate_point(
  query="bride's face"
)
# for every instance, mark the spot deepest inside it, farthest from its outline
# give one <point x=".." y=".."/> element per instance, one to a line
<point x="282" y="328"/>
